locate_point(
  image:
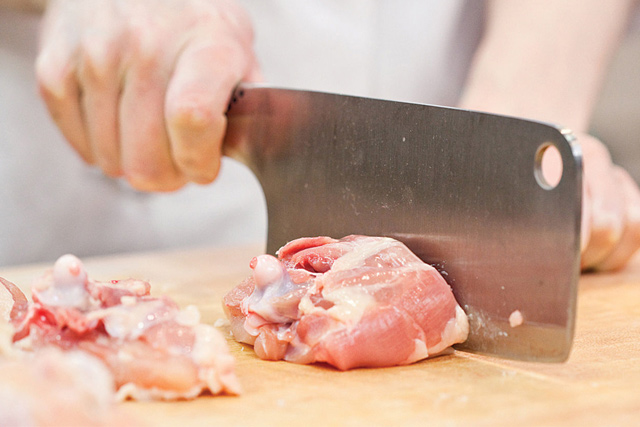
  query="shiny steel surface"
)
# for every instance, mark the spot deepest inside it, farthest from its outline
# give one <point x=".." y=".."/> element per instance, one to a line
<point x="458" y="187"/>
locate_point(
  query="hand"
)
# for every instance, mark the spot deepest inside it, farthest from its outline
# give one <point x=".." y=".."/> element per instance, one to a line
<point x="611" y="210"/>
<point x="140" y="87"/>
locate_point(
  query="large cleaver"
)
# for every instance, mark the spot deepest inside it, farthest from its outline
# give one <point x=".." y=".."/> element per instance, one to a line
<point x="464" y="190"/>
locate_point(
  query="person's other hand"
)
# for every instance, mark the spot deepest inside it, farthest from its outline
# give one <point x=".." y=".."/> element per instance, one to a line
<point x="611" y="210"/>
<point x="140" y="87"/>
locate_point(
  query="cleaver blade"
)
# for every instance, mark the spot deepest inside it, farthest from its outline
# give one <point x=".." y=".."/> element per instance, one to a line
<point x="462" y="189"/>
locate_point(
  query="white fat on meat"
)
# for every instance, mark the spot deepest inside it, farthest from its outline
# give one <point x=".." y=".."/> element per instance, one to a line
<point x="271" y="282"/>
<point x="275" y="298"/>
<point x="219" y="366"/>
<point x="69" y="285"/>
<point x="130" y="321"/>
<point x="188" y="316"/>
<point x="456" y="330"/>
<point x="369" y="248"/>
<point x="349" y="303"/>
<point x="516" y="319"/>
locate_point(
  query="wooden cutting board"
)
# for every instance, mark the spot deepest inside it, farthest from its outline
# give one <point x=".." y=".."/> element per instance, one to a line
<point x="599" y="385"/>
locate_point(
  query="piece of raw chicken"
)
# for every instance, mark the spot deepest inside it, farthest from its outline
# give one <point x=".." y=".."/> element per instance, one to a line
<point x="50" y="387"/>
<point x="152" y="348"/>
<point x="56" y="388"/>
<point x="355" y="302"/>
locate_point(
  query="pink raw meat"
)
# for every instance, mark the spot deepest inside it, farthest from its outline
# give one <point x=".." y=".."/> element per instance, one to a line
<point x="58" y="388"/>
<point x="355" y="302"/>
<point x="152" y="347"/>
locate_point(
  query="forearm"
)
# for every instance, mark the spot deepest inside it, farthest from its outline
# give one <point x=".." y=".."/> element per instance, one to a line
<point x="545" y="60"/>
<point x="24" y="5"/>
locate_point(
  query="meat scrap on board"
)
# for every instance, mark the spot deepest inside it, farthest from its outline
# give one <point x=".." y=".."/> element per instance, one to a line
<point x="50" y="388"/>
<point x="153" y="349"/>
<point x="355" y="302"/>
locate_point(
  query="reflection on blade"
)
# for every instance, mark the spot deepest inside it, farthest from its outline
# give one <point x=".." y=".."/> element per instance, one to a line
<point x="458" y="187"/>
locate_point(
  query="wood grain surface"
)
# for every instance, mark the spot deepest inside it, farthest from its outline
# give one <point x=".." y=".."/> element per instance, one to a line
<point x="598" y="385"/>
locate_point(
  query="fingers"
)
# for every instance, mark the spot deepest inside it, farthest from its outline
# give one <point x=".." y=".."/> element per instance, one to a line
<point x="610" y="232"/>
<point x="100" y="48"/>
<point x="605" y="202"/>
<point x="197" y="98"/>
<point x="145" y="152"/>
<point x="98" y="70"/>
<point x="629" y="243"/>
<point x="56" y="76"/>
<point x="141" y="91"/>
<point x="611" y="208"/>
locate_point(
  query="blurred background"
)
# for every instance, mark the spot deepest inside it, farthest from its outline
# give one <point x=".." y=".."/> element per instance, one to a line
<point x="617" y="116"/>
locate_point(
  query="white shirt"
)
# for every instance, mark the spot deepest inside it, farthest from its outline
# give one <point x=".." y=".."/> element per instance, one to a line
<point x="407" y="50"/>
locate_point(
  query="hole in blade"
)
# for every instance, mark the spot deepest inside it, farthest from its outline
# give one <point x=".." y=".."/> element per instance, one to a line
<point x="548" y="166"/>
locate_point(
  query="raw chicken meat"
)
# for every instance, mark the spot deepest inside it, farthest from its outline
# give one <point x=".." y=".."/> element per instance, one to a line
<point x="355" y="302"/>
<point x="153" y="349"/>
<point x="50" y="388"/>
<point x="11" y="300"/>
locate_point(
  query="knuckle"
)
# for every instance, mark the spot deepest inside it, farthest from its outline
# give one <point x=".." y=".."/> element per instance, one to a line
<point x="197" y="167"/>
<point x="151" y="173"/>
<point x="191" y="117"/>
<point x="98" y="57"/>
<point x="193" y="113"/>
<point x="52" y="77"/>
<point x="144" y="48"/>
<point x="144" y="181"/>
<point x="189" y="160"/>
<point x="239" y="21"/>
